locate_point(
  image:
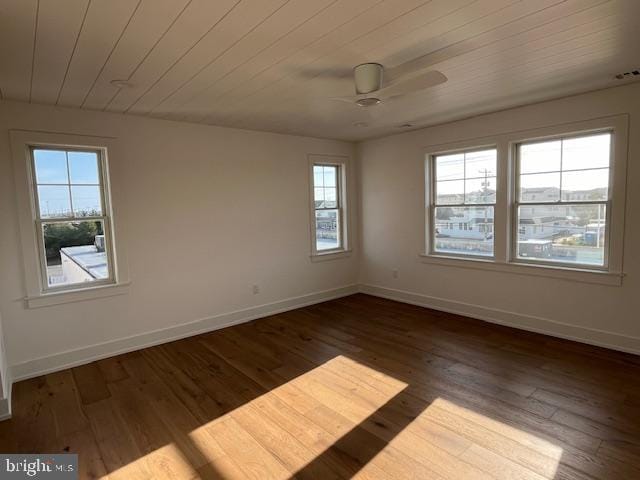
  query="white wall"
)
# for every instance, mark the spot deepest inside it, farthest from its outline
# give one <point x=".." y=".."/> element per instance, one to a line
<point x="208" y="212"/>
<point x="3" y="365"/>
<point x="392" y="223"/>
<point x="5" y="380"/>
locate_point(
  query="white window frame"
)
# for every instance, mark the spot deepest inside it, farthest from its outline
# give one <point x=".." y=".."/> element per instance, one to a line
<point x="105" y="218"/>
<point x="432" y="202"/>
<point x="505" y="215"/>
<point x="38" y="293"/>
<point x="513" y="254"/>
<point x="342" y="206"/>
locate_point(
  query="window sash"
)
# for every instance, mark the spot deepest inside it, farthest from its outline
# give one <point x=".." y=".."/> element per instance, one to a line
<point x="515" y="235"/>
<point x="338" y="208"/>
<point x="433" y="202"/>
<point x="517" y="203"/>
<point x="40" y="221"/>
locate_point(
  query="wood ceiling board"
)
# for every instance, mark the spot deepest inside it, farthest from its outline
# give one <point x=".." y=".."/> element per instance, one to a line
<point x="445" y="15"/>
<point x="421" y="14"/>
<point x="240" y="21"/>
<point x="17" y="35"/>
<point x="454" y="106"/>
<point x="102" y="29"/>
<point x="199" y="18"/>
<point x="503" y="32"/>
<point x="272" y="64"/>
<point x="151" y="21"/>
<point x="549" y="76"/>
<point x="59" y="25"/>
<point x="286" y="20"/>
<point x="273" y="57"/>
<point x="370" y="20"/>
<point x="460" y="40"/>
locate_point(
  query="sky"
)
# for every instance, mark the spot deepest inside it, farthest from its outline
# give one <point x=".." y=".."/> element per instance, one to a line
<point x="65" y="179"/>
<point x="574" y="164"/>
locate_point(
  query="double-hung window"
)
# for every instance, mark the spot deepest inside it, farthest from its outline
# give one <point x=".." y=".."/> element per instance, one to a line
<point x="463" y="200"/>
<point x="562" y="201"/>
<point x="71" y="216"/>
<point x="546" y="201"/>
<point x="328" y="216"/>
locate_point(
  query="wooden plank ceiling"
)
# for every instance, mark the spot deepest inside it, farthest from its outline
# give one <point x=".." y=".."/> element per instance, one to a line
<point x="272" y="64"/>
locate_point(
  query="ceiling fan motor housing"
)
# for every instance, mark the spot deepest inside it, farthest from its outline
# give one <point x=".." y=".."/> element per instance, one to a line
<point x="368" y="77"/>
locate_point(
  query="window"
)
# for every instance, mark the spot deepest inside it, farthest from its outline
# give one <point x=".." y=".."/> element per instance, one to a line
<point x="549" y="201"/>
<point x="328" y="207"/>
<point x="464" y="195"/>
<point x="326" y="196"/>
<point x="562" y="200"/>
<point x="71" y="217"/>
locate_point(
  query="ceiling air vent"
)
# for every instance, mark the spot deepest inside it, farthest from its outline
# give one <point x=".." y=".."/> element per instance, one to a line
<point x="631" y="74"/>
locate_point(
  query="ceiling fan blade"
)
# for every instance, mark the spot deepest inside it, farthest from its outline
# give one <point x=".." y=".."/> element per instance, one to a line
<point x="351" y="100"/>
<point x="412" y="84"/>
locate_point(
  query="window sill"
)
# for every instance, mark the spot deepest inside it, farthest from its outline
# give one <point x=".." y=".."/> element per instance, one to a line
<point x="563" y="273"/>
<point x="333" y="255"/>
<point x="80" y="295"/>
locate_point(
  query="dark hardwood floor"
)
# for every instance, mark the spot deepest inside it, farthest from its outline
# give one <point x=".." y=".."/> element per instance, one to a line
<point x="357" y="387"/>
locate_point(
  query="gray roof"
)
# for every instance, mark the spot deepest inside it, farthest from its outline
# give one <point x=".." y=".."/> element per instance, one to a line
<point x="89" y="259"/>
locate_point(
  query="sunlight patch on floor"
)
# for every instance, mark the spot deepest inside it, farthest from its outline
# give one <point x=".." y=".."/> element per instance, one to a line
<point x="344" y="407"/>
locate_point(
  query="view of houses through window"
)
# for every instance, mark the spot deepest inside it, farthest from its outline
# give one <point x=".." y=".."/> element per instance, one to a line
<point x="70" y="216"/>
<point x="465" y="192"/>
<point x="327" y="207"/>
<point x="561" y="201"/>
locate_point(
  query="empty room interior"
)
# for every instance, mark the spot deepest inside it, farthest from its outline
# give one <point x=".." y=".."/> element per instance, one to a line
<point x="320" y="239"/>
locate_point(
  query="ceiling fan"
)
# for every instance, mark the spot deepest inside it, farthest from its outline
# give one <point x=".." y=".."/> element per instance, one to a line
<point x="373" y="86"/>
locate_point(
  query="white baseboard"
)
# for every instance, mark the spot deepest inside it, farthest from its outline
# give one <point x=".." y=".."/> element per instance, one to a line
<point x="5" y="403"/>
<point x="80" y="356"/>
<point x="530" y="323"/>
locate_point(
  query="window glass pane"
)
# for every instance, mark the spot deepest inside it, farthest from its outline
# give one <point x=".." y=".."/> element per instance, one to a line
<point x="54" y="201"/>
<point x="540" y="187"/>
<point x="464" y="230"/>
<point x="585" y="185"/>
<point x="318" y="176"/>
<point x="563" y="233"/>
<point x="318" y="196"/>
<point x="50" y="166"/>
<point x="540" y="157"/>
<point x="330" y="176"/>
<point x="327" y="228"/>
<point x="586" y="152"/>
<point x="450" y="192"/>
<point x="86" y="200"/>
<point x="75" y="253"/>
<point x="83" y="167"/>
<point x="330" y="198"/>
<point x="481" y="164"/>
<point x="480" y="190"/>
<point x="450" y="167"/>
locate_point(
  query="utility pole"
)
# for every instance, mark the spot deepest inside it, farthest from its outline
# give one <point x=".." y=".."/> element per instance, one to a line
<point x="485" y="191"/>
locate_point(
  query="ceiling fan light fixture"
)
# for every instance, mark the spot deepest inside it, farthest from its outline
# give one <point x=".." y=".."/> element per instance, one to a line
<point x="367" y="102"/>
<point x="368" y="77"/>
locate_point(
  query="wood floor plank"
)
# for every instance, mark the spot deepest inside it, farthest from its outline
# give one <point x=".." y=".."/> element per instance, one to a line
<point x="111" y="368"/>
<point x="358" y="387"/>
<point x="91" y="384"/>
<point x="256" y="462"/>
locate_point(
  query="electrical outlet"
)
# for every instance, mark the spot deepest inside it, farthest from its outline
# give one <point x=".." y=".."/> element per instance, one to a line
<point x="395" y="273"/>
<point x="256" y="289"/>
